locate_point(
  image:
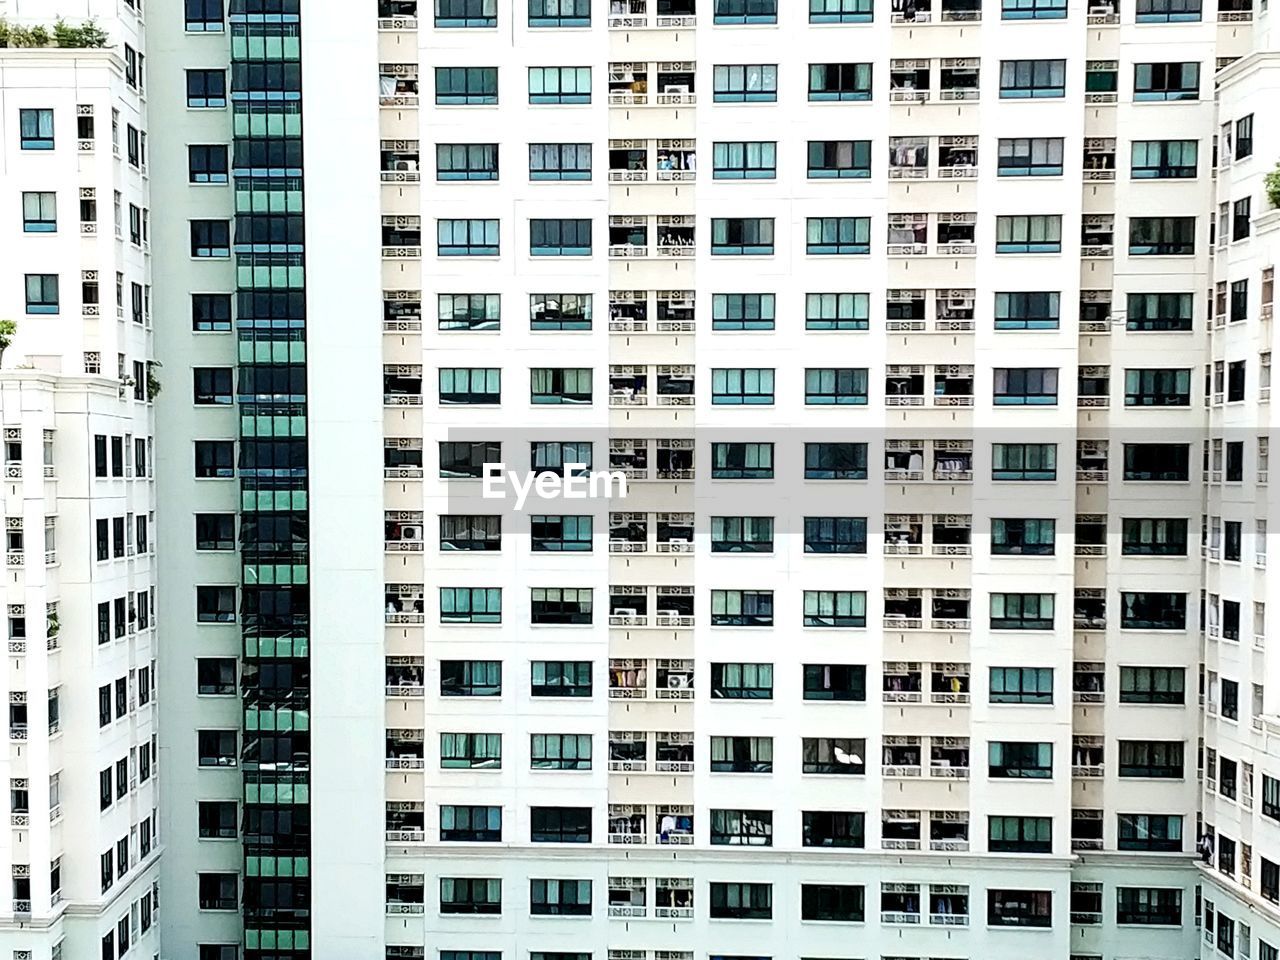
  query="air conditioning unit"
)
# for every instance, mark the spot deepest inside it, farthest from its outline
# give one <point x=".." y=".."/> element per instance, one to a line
<point x="960" y="303"/>
<point x="676" y="88"/>
<point x="679" y="681"/>
<point x="400" y="165"/>
<point x="411" y="531"/>
<point x="623" y="612"/>
<point x="670" y="613"/>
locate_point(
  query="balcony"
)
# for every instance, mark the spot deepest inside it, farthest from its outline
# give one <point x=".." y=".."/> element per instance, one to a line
<point x="948" y="905"/>
<point x="949" y="683"/>
<point x="922" y="11"/>
<point x="949" y="831"/>
<point x="402" y="459"/>
<point x="404" y="603"/>
<point x="398" y="14"/>
<point x="405" y="677"/>
<point x="405" y="750"/>
<point x="1097" y="235"/>
<point x="903" y="609"/>
<point x="904" y="535"/>
<point x="908" y="80"/>
<point x="904" y="385"/>
<point x="901" y="757"/>
<point x="402" y="385"/>
<point x="673" y="824"/>
<point x="1104" y="13"/>
<point x="402" y="531"/>
<point x="952" y="387"/>
<point x="398" y="85"/>
<point x="400" y="161"/>
<point x="660" y="14"/>
<point x="628" y="238"/>
<point x="957" y="157"/>
<point x="1087" y="758"/>
<point x="958" y="79"/>
<point x="628" y="679"/>
<point x="401" y="238"/>
<point x="405" y="821"/>
<point x="1099" y="159"/>
<point x="406" y="894"/>
<point x="673" y="898"/>
<point x="902" y="684"/>
<point x="949" y="757"/>
<point x="627" y="897"/>
<point x="673" y="753"/>
<point x="627" y="824"/>
<point x="903" y="460"/>
<point x="628" y="161"/>
<point x="900" y="830"/>
<point x="900" y="903"/>
<point x="628" y="750"/>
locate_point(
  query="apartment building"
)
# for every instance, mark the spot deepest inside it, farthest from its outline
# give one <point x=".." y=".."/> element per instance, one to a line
<point x="890" y="650"/>
<point x="1241" y="852"/>
<point x="82" y="848"/>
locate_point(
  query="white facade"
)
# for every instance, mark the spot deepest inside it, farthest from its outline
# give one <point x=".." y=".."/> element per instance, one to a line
<point x="1241" y="817"/>
<point x="1102" y="680"/>
<point x="83" y="846"/>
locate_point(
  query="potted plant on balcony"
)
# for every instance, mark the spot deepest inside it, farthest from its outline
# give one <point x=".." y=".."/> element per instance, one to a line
<point x="1271" y="183"/>
<point x="8" y="329"/>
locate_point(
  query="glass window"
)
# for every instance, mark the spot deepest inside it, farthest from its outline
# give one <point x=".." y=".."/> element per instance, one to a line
<point x="466" y="85"/>
<point x="746" y="11"/>
<point x="742" y="311"/>
<point x="837" y="311"/>
<point x="742" y="386"/>
<point x="466" y="161"/>
<point x="204" y="16"/>
<point x="745" y="83"/>
<point x="841" y="11"/>
<point x="1029" y="234"/>
<point x="1162" y="236"/>
<point x="841" y="236"/>
<point x="470" y="604"/>
<point x="1021" y="685"/>
<point x="560" y="238"/>
<point x="839" y="81"/>
<point x="1167" y="11"/>
<point x="1025" y="386"/>
<point x="467" y="238"/>
<point x="1030" y="157"/>
<point x="1166" y="81"/>
<point x="1163" y="387"/>
<point x="469" y="311"/>
<point x="560" y="311"/>
<point x="39" y="212"/>
<point x="1032" y="78"/>
<point x="466" y="13"/>
<point x="745" y="160"/>
<point x="560" y="85"/>
<point x="1152" y="685"/>
<point x="42" y="293"/>
<point x="206" y="88"/>
<point x="741" y="237"/>
<point x="1163" y="159"/>
<point x="835" y="461"/>
<point x="829" y="386"/>
<point x="1033" y="9"/>
<point x="36" y="129"/>
<point x="1027" y="311"/>
<point x="559" y="161"/>
<point x="839" y="159"/>
<point x="559" y="13"/>
<point x="742" y="461"/>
